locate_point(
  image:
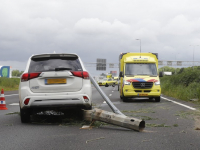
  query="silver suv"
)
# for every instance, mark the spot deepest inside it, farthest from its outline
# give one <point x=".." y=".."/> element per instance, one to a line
<point x="54" y="80"/>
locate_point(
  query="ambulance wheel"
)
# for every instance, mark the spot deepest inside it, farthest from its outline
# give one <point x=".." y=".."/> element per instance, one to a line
<point x="157" y="99"/>
<point x="124" y="99"/>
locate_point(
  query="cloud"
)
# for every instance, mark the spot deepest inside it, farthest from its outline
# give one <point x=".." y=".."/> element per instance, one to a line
<point x="95" y="26"/>
<point x="179" y="25"/>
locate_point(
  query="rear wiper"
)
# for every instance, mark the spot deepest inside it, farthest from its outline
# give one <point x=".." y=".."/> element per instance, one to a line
<point x="60" y="69"/>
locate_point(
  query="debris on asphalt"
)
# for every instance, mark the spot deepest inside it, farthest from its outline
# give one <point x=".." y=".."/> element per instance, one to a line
<point x="9" y="124"/>
<point x="94" y="139"/>
<point x="13" y="113"/>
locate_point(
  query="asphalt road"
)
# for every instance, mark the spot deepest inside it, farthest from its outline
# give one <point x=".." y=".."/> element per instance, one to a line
<point x="169" y="125"/>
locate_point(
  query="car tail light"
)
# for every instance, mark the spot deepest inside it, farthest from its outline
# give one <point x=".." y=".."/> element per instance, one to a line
<point x="86" y="99"/>
<point x="27" y="101"/>
<point x="28" y="76"/>
<point x="82" y="74"/>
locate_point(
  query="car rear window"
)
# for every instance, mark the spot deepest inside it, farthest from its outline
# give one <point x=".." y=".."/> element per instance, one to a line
<point x="50" y="64"/>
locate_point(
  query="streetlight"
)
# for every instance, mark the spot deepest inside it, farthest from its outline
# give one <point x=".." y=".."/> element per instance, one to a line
<point x="176" y="60"/>
<point x="140" y="46"/>
<point x="193" y="53"/>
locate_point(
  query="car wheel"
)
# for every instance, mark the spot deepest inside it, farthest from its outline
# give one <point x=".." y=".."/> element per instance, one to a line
<point x="25" y="115"/>
<point x="157" y="99"/>
<point x="113" y="85"/>
<point x="106" y="85"/>
<point x="88" y="108"/>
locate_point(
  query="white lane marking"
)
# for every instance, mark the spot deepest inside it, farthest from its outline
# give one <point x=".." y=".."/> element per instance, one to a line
<point x="110" y="95"/>
<point x="16" y="104"/>
<point x="104" y="102"/>
<point x="179" y="103"/>
<point x="11" y="95"/>
<point x="112" y="91"/>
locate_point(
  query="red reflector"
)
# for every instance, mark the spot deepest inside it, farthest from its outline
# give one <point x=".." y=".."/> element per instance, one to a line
<point x="28" y="76"/>
<point x="82" y="74"/>
<point x="85" y="97"/>
<point x="26" y="101"/>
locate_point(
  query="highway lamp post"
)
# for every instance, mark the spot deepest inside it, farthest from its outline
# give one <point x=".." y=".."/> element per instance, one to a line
<point x="140" y="46"/>
<point x="176" y="61"/>
<point x="193" y="54"/>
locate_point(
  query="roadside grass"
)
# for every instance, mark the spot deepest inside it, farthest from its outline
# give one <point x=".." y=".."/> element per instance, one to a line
<point x="157" y="125"/>
<point x="9" y="84"/>
<point x="184" y="86"/>
<point x="146" y="110"/>
<point x="188" y="114"/>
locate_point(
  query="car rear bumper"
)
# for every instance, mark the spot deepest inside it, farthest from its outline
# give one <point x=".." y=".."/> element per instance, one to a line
<point x="55" y="99"/>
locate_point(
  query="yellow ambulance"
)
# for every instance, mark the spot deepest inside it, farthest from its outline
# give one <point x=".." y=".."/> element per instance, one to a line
<point x="139" y="76"/>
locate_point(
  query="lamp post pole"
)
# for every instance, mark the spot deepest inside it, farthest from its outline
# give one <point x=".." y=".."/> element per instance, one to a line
<point x="140" y="46"/>
<point x="193" y="54"/>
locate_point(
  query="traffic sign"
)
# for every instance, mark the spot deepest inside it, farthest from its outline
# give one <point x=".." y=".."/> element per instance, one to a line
<point x="101" y="64"/>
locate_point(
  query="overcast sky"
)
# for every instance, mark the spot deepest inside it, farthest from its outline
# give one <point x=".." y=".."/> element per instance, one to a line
<point x="98" y="29"/>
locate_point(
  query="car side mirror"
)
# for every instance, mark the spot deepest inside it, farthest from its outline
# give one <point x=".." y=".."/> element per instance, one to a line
<point x="160" y="74"/>
<point x="121" y="74"/>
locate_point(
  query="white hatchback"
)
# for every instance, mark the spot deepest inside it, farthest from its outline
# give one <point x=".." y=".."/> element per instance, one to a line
<point x="54" y="80"/>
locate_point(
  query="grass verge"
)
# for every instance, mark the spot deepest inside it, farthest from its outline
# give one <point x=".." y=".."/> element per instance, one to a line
<point x="9" y="84"/>
<point x="184" y="85"/>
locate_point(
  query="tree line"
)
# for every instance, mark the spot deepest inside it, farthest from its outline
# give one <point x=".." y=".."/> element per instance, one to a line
<point x="16" y="73"/>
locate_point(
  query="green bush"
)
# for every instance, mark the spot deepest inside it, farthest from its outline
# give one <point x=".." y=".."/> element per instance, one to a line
<point x="9" y="84"/>
<point x="184" y="85"/>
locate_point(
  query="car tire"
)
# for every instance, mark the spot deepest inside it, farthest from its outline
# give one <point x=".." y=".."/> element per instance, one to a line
<point x="157" y="99"/>
<point x="88" y="108"/>
<point x="124" y="99"/>
<point x="106" y="85"/>
<point x="113" y="85"/>
<point x="25" y="115"/>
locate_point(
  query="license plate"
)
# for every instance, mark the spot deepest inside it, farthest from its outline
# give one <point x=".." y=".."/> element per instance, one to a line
<point x="141" y="94"/>
<point x="56" y="81"/>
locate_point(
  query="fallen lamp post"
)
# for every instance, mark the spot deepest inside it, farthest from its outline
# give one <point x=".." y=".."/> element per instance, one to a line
<point x="116" y="118"/>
